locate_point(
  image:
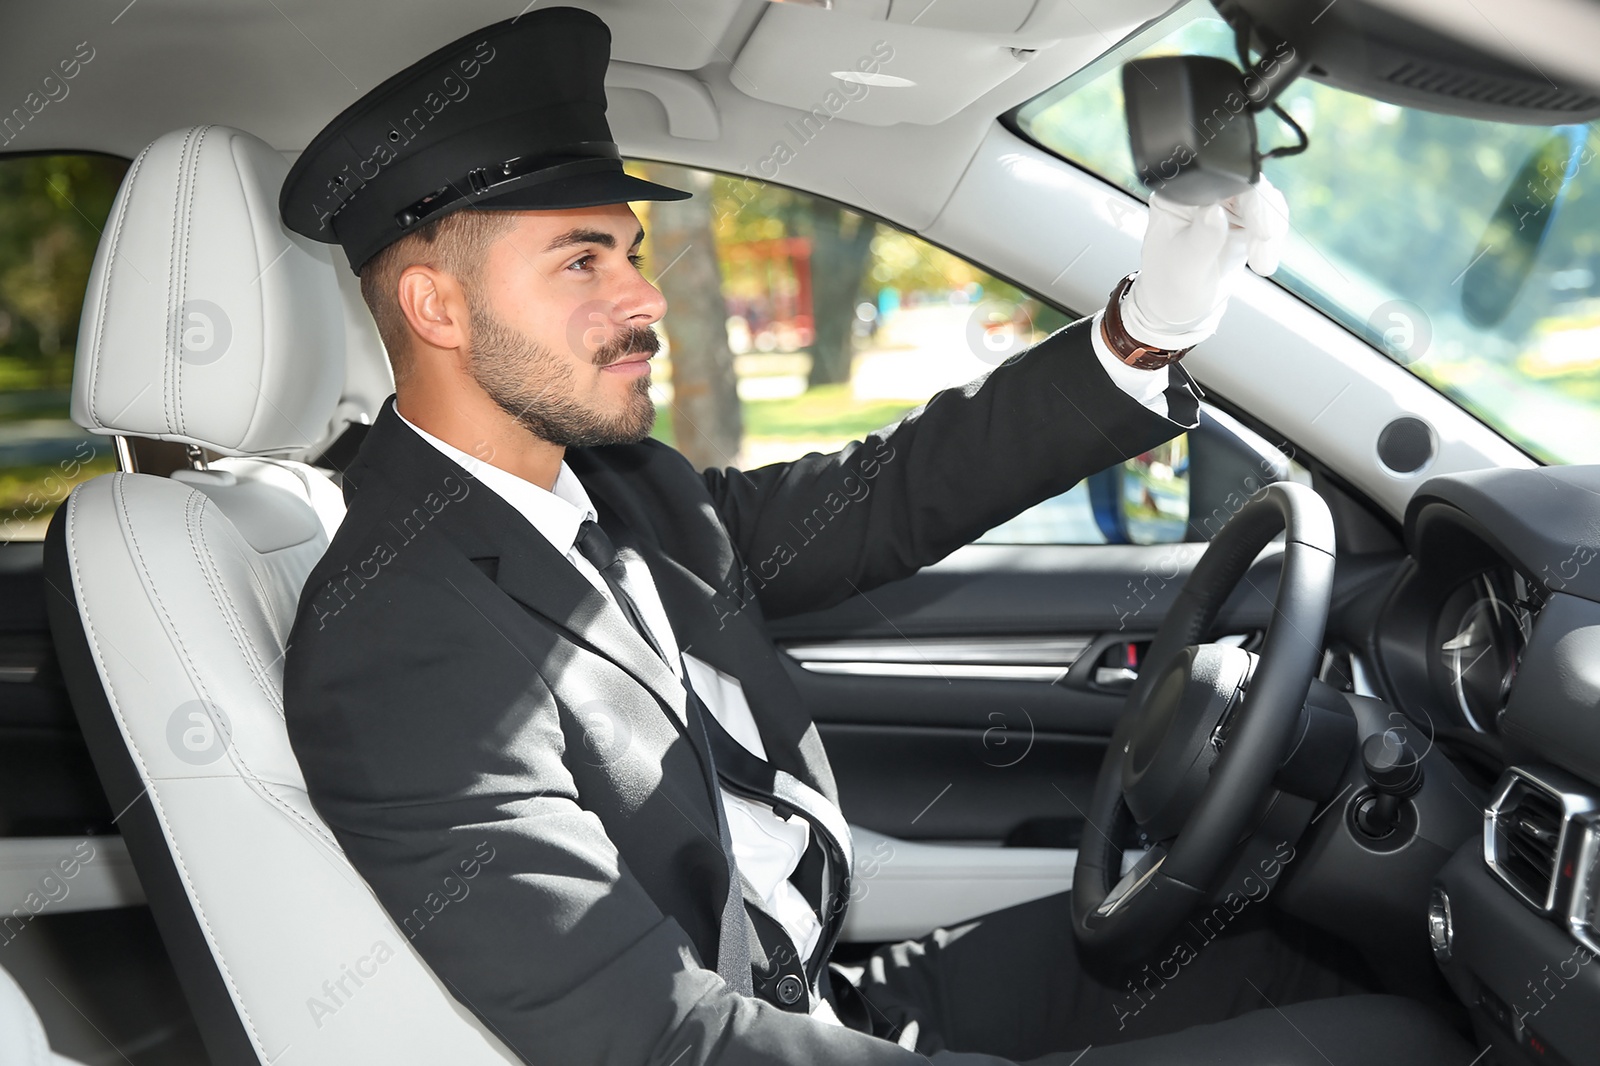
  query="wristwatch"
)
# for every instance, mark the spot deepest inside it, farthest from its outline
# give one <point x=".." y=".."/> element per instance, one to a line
<point x="1124" y="347"/>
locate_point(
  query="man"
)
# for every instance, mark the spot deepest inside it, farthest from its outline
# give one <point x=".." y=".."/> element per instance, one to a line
<point x="529" y="684"/>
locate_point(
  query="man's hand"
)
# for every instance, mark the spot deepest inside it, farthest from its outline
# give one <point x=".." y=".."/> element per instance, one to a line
<point x="1191" y="258"/>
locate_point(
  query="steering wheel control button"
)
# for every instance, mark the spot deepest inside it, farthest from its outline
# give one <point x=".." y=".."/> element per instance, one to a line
<point x="1441" y="930"/>
<point x="790" y="989"/>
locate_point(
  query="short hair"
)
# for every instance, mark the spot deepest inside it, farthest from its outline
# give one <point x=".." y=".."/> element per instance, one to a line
<point x="455" y="244"/>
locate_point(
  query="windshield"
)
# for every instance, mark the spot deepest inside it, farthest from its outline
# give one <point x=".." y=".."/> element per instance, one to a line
<point x="1396" y="234"/>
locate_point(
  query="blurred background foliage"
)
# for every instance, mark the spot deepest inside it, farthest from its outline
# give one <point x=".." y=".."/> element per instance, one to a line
<point x="51" y="211"/>
<point x="52" y="208"/>
<point x="805" y="290"/>
<point x="1391" y="203"/>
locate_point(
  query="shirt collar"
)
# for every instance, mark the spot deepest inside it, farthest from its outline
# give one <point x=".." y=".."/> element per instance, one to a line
<point x="557" y="514"/>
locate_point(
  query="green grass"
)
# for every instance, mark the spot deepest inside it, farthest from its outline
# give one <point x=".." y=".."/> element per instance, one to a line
<point x="826" y="412"/>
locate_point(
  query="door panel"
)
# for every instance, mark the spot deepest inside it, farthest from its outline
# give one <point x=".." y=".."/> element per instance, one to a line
<point x="47" y="784"/>
<point x="968" y="785"/>
<point x="905" y="888"/>
<point x="935" y="763"/>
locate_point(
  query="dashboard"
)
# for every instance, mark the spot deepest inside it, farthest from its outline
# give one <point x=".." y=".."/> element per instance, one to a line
<point x="1491" y="634"/>
<point x="1478" y="639"/>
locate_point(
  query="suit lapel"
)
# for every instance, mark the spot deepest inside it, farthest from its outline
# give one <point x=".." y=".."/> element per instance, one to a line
<point x="536" y="575"/>
<point x="529" y="569"/>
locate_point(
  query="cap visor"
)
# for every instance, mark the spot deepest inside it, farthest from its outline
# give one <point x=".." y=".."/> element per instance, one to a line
<point x="581" y="190"/>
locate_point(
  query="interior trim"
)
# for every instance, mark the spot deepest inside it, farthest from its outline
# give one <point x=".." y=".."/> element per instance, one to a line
<point x="945" y="671"/>
<point x="1574" y="803"/>
<point x="1044" y="659"/>
<point x="1042" y="651"/>
<point x="54" y="875"/>
<point x="691" y="112"/>
<point x="908" y="888"/>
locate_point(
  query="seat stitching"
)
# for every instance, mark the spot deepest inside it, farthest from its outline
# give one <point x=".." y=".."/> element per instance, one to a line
<point x="133" y="749"/>
<point x="105" y="287"/>
<point x="174" y="327"/>
<point x="249" y="773"/>
<point x="193" y="508"/>
<point x="192" y="173"/>
<point x="194" y="521"/>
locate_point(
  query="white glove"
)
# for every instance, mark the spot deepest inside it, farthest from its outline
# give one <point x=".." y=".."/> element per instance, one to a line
<point x="1191" y="258"/>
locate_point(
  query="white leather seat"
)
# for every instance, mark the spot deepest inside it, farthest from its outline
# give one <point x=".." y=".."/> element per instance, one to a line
<point x="22" y="1039"/>
<point x="206" y="322"/>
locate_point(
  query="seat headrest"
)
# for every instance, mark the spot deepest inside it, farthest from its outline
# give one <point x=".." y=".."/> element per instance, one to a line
<point x="205" y="320"/>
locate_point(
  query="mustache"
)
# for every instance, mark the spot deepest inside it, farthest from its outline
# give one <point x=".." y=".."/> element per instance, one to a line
<point x="629" y="340"/>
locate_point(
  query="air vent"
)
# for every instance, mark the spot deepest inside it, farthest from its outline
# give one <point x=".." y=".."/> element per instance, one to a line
<point x="1583" y="913"/>
<point x="1526" y="833"/>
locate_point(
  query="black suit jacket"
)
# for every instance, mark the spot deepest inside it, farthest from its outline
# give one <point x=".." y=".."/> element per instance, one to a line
<point x="505" y="760"/>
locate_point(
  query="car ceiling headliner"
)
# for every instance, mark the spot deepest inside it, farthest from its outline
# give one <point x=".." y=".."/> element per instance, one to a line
<point x="282" y="68"/>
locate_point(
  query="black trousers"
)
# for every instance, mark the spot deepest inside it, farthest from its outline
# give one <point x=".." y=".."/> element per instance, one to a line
<point x="1010" y="984"/>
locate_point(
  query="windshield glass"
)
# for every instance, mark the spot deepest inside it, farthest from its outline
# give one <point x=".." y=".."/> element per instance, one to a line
<point x="1420" y="232"/>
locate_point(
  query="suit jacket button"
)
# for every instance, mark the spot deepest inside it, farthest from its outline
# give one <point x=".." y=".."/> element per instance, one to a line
<point x="790" y="990"/>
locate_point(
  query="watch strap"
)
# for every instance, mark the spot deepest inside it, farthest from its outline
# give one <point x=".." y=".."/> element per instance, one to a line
<point x="1122" y="344"/>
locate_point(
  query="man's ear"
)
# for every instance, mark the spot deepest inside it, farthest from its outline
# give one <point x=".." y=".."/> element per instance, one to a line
<point x="434" y="305"/>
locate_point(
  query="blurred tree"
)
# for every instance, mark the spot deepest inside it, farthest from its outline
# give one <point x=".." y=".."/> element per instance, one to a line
<point x="841" y="252"/>
<point x="47" y="245"/>
<point x="841" y="248"/>
<point x="707" y="422"/>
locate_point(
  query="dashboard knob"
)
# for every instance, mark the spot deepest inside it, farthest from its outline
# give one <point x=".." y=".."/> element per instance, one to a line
<point x="1392" y="766"/>
<point x="1395" y="771"/>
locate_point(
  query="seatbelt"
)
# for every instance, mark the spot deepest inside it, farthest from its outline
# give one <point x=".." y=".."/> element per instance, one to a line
<point x="743" y="773"/>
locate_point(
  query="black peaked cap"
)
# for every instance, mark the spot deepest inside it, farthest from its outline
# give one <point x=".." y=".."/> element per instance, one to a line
<point x="510" y="117"/>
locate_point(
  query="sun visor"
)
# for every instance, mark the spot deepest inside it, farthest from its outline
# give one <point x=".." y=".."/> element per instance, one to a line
<point x="883" y="62"/>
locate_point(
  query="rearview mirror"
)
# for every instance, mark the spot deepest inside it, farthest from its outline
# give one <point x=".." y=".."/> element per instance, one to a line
<point x="1191" y="126"/>
<point x="1504" y="258"/>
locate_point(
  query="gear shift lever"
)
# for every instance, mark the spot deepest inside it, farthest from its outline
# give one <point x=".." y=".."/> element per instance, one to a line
<point x="1395" y="772"/>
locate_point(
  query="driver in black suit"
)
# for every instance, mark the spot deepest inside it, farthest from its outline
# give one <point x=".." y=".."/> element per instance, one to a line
<point x="529" y="684"/>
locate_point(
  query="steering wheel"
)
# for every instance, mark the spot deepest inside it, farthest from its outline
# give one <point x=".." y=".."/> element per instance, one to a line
<point x="1204" y="730"/>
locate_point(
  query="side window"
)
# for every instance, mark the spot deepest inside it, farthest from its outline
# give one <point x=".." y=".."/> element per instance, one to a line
<point x="1142" y="501"/>
<point x="796" y="325"/>
<point x="52" y="208"/>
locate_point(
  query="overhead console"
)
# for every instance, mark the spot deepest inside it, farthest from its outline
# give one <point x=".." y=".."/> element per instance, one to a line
<point x="882" y="62"/>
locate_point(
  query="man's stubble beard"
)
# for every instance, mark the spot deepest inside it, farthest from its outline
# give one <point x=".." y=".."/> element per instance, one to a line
<point x="534" y="385"/>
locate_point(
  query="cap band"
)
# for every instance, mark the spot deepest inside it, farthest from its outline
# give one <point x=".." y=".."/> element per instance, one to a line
<point x="512" y="174"/>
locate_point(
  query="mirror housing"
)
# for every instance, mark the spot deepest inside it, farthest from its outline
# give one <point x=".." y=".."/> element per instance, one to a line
<point x="1191" y="127"/>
